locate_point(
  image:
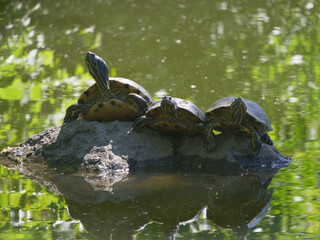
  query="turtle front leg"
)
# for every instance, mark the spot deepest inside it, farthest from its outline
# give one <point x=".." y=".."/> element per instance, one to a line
<point x="73" y="111"/>
<point x="255" y="145"/>
<point x="209" y="137"/>
<point x="266" y="139"/>
<point x="140" y="122"/>
<point x="138" y="102"/>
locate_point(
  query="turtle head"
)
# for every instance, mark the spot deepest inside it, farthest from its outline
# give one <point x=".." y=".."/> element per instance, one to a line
<point x="97" y="68"/>
<point x="238" y="110"/>
<point x="169" y="108"/>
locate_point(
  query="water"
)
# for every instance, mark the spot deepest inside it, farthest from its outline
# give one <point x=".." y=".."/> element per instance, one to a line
<point x="265" y="51"/>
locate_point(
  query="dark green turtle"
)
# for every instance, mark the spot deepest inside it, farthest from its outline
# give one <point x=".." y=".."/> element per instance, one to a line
<point x="108" y="99"/>
<point x="241" y="116"/>
<point x="173" y="116"/>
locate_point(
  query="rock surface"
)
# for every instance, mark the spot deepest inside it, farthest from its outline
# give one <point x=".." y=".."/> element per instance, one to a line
<point x="231" y="152"/>
<point x="113" y="147"/>
<point x="105" y="147"/>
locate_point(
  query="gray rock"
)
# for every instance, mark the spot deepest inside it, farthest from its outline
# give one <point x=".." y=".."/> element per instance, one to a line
<point x="105" y="147"/>
<point x="113" y="148"/>
<point x="231" y="153"/>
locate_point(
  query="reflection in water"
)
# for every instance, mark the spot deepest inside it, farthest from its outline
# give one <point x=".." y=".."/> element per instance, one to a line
<point x="236" y="202"/>
<point x="240" y="203"/>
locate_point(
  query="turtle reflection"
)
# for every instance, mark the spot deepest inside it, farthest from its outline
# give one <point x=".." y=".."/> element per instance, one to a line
<point x="239" y="203"/>
<point x="232" y="202"/>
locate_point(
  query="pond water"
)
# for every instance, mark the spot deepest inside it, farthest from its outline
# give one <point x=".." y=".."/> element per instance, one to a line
<point x="265" y="51"/>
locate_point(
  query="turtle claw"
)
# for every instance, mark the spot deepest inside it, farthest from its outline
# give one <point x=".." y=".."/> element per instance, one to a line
<point x="72" y="112"/>
<point x="68" y="119"/>
<point x="140" y="122"/>
<point x="135" y="128"/>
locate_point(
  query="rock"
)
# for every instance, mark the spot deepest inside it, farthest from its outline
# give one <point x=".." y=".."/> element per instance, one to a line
<point x="105" y="147"/>
<point x="231" y="153"/>
<point x="113" y="147"/>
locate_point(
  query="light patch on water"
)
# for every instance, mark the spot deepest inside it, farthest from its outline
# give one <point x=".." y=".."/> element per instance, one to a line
<point x="161" y="93"/>
<point x="40" y="41"/>
<point x="184" y="17"/>
<point x="291" y="89"/>
<point x="31" y="60"/>
<point x="9" y="26"/>
<point x="220" y="29"/>
<point x="10" y="59"/>
<point x="31" y="33"/>
<point x="223" y="6"/>
<point x="312" y="85"/>
<point x="297" y="199"/>
<point x="276" y="31"/>
<point x="258" y="230"/>
<point x="296" y="59"/>
<point x="313" y="134"/>
<point x="89" y="29"/>
<point x="19" y="5"/>
<point x="293" y="99"/>
<point x="26" y="21"/>
<point x="262" y="15"/>
<point x="309" y="5"/>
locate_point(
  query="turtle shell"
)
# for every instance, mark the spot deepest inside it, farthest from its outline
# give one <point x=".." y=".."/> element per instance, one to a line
<point x="254" y="115"/>
<point x="113" y="109"/>
<point x="188" y="115"/>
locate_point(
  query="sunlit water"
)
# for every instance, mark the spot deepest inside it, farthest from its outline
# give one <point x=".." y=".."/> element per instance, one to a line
<point x="265" y="51"/>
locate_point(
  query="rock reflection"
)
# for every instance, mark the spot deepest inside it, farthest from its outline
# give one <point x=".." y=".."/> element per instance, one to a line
<point x="235" y="202"/>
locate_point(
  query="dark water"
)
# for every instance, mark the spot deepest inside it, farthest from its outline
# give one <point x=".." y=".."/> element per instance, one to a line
<point x="265" y="51"/>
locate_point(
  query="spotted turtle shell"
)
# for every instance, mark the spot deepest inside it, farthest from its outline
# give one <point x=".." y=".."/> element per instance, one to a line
<point x="113" y="109"/>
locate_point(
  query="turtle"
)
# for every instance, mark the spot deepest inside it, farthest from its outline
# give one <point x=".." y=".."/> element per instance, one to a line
<point x="172" y="116"/>
<point x="108" y="99"/>
<point x="238" y="115"/>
